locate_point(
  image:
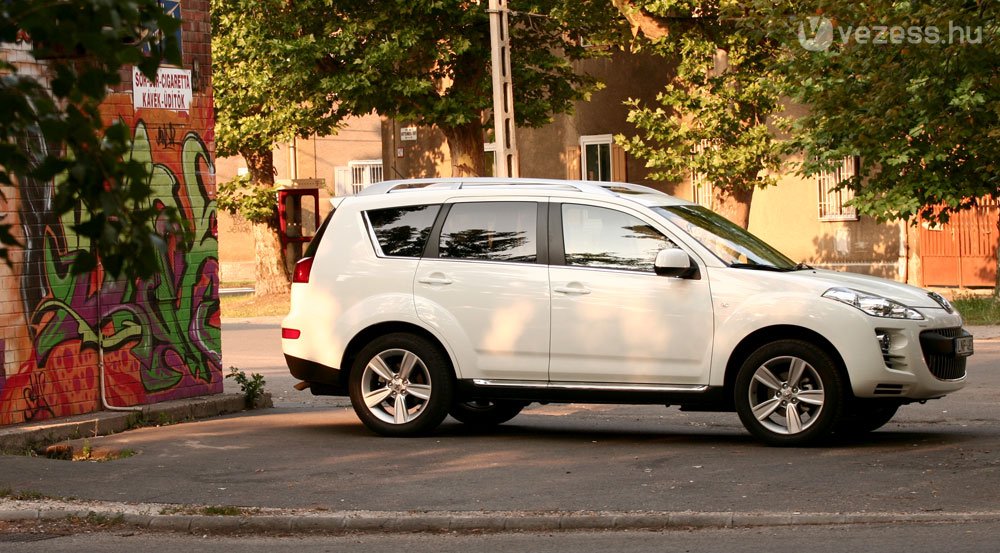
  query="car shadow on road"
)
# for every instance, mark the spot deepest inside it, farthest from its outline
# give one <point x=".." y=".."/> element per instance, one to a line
<point x="645" y="434"/>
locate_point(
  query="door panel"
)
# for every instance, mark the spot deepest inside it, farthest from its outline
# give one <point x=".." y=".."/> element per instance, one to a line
<point x="486" y="289"/>
<point x="613" y="319"/>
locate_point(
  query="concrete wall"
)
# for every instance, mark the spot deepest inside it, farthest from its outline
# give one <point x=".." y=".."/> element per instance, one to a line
<point x="314" y="157"/>
<point x="161" y="338"/>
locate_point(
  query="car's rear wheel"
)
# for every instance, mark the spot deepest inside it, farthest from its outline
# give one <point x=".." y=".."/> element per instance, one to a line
<point x="789" y="393"/>
<point x="485" y="412"/>
<point x="401" y="385"/>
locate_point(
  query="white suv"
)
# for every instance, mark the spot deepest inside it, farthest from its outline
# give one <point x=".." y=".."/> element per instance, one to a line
<point x="476" y="297"/>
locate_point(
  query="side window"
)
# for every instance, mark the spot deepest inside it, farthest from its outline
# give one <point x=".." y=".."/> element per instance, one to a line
<point x="609" y="239"/>
<point x="493" y="231"/>
<point x="403" y="231"/>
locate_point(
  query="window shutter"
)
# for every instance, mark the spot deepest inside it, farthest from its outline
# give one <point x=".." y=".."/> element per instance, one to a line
<point x="572" y="159"/>
<point x="618" y="172"/>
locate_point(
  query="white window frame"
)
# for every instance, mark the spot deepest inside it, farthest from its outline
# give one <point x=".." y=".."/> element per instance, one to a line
<point x="592" y="140"/>
<point x="357" y="175"/>
<point x="488" y="148"/>
<point x="831" y="202"/>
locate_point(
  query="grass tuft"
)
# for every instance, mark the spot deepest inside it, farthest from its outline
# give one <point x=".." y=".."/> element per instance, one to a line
<point x="978" y="310"/>
<point x="248" y="305"/>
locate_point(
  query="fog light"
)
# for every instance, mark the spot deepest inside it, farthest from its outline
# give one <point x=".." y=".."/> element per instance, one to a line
<point x="884" y="344"/>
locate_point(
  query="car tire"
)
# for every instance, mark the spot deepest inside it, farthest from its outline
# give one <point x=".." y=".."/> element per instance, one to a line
<point x="401" y="385"/>
<point x="789" y="393"/>
<point x="485" y="413"/>
<point x="862" y="419"/>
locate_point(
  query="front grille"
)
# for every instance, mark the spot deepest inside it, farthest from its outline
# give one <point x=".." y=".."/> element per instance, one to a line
<point x="944" y="366"/>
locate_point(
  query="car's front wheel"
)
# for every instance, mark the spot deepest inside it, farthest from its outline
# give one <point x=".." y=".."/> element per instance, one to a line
<point x="789" y="392"/>
<point x="401" y="385"/>
<point x="485" y="413"/>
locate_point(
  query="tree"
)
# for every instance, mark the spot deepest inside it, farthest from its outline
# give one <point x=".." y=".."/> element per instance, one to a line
<point x="268" y="88"/>
<point x="716" y="115"/>
<point x="428" y="63"/>
<point x="912" y="88"/>
<point x="296" y="68"/>
<point x="54" y="132"/>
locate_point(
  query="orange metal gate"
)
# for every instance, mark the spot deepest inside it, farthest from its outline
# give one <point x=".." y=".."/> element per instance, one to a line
<point x="962" y="252"/>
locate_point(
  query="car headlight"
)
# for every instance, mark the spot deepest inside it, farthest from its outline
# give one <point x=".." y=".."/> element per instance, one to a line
<point x="874" y="305"/>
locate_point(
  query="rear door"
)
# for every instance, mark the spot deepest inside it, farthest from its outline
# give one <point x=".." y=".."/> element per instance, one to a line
<point x="483" y="285"/>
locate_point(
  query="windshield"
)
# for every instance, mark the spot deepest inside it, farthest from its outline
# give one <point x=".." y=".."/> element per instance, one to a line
<point x="730" y="242"/>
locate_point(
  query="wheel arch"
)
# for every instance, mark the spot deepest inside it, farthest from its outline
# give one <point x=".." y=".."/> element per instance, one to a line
<point x="766" y="335"/>
<point x="366" y="335"/>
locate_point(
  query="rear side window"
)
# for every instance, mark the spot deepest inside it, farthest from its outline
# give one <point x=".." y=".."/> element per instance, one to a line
<point x="402" y="231"/>
<point x="491" y="231"/>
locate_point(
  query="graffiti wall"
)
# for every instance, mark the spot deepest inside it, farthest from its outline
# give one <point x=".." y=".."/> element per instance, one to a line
<point x="64" y="338"/>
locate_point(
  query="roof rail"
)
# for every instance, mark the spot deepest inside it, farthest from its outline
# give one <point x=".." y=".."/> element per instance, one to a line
<point x="387" y="187"/>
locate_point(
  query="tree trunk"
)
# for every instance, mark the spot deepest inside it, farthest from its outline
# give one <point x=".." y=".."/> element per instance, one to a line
<point x="734" y="205"/>
<point x="270" y="272"/>
<point x="465" y="145"/>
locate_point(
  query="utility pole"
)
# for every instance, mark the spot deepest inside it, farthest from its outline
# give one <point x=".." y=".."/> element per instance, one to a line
<point x="503" y="95"/>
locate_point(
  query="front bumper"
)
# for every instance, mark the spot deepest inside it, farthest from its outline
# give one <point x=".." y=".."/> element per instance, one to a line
<point x="917" y="362"/>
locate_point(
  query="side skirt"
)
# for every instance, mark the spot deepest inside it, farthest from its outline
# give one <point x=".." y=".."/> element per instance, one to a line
<point x="700" y="398"/>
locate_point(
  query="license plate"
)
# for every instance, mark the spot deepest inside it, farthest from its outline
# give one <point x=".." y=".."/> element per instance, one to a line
<point x="963" y="346"/>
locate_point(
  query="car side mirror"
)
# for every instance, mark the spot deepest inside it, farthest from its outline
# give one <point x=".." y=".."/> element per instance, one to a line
<point x="675" y="262"/>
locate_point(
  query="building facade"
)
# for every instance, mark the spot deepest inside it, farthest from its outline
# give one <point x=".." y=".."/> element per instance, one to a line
<point x="336" y="165"/>
<point x="808" y="219"/>
<point x="72" y="344"/>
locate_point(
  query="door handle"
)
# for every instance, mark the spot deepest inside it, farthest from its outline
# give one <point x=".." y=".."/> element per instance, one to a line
<point x="574" y="288"/>
<point x="435" y="278"/>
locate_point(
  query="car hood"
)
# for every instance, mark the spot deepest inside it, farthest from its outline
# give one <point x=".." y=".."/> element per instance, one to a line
<point x="903" y="293"/>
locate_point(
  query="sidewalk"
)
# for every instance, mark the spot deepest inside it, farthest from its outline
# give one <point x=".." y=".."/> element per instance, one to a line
<point x="21" y="438"/>
<point x="282" y="521"/>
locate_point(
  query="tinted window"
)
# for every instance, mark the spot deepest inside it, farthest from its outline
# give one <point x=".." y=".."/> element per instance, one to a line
<point x="605" y="238"/>
<point x="403" y="231"/>
<point x="495" y="231"/>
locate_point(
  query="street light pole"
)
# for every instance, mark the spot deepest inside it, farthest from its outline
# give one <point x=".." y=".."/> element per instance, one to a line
<point x="503" y="96"/>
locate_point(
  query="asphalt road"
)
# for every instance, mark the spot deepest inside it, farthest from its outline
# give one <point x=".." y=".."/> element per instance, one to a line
<point x="313" y="453"/>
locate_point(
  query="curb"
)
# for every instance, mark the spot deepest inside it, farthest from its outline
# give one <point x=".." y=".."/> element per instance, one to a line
<point x="28" y="436"/>
<point x="464" y="521"/>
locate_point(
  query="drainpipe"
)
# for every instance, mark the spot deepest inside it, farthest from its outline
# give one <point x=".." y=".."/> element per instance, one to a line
<point x="293" y="162"/>
<point x="100" y="359"/>
<point x="903" y="266"/>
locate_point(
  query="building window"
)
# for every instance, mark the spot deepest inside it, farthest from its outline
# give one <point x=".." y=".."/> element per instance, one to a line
<point x="357" y="175"/>
<point x="490" y="149"/>
<point x="832" y="200"/>
<point x="595" y="157"/>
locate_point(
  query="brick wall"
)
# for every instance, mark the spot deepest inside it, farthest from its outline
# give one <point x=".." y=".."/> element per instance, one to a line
<point x="159" y="339"/>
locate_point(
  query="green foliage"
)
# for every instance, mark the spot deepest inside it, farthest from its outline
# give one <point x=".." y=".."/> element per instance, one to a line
<point x="978" y="310"/>
<point x="924" y="115"/>
<point x="252" y="386"/>
<point x="58" y="135"/>
<point x="287" y="68"/>
<point x="21" y="495"/>
<point x="713" y="116"/>
<point x="254" y="203"/>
